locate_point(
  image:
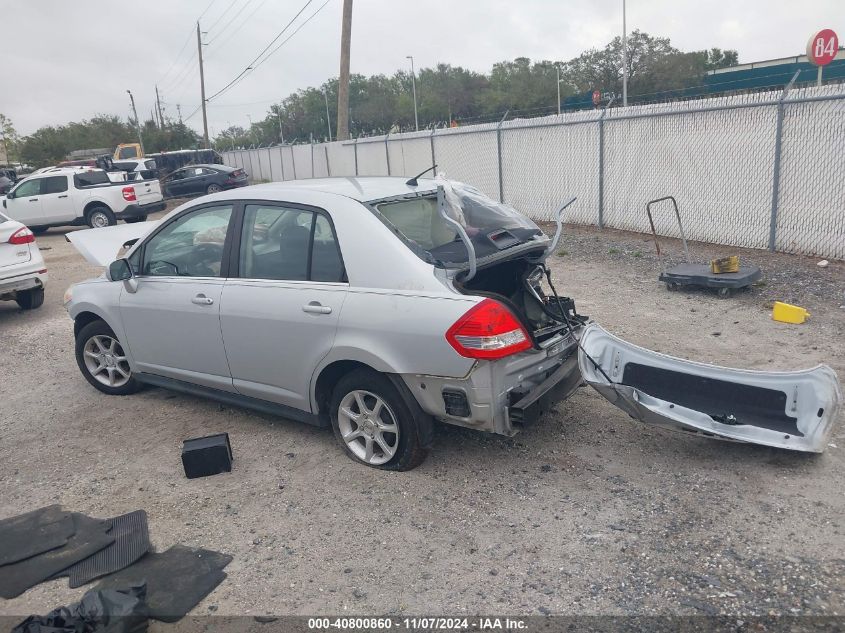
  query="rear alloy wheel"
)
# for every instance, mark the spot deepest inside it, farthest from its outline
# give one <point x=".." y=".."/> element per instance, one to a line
<point x="214" y="188"/>
<point x="98" y="217"/>
<point x="375" y="425"/>
<point x="103" y="362"/>
<point x="30" y="299"/>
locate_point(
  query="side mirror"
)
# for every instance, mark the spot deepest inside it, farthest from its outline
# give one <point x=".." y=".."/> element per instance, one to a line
<point x="120" y="270"/>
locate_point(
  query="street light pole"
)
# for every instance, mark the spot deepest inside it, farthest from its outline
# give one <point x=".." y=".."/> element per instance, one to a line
<point x="414" y="85"/>
<point x="624" y="58"/>
<point x="137" y="121"/>
<point x="558" y="89"/>
<point x="328" y="118"/>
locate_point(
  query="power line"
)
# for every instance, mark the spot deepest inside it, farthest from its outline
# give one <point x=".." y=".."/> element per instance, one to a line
<point x="206" y="10"/>
<point x="179" y="54"/>
<point x="266" y="48"/>
<point x="251" y="67"/>
<point x="307" y="20"/>
<point x="220" y="17"/>
<point x="231" y="21"/>
<point x="240" y="26"/>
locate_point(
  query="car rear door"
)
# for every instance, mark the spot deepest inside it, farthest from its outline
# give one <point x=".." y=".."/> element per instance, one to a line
<point x="280" y="306"/>
<point x="792" y="410"/>
<point x="56" y="201"/>
<point x="172" y="320"/>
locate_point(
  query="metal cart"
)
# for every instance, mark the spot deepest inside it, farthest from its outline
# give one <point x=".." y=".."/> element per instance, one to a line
<point x="700" y="275"/>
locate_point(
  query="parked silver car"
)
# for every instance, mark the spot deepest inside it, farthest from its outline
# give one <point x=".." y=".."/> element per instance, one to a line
<point x="378" y="305"/>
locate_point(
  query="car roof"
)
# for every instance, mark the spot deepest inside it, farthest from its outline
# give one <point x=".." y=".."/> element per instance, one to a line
<point x="361" y="188"/>
<point x="208" y="165"/>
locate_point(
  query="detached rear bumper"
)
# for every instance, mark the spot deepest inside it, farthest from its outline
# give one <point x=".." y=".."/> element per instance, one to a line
<point x="502" y="396"/>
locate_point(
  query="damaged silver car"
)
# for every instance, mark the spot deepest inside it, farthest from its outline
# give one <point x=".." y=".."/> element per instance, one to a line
<point x="379" y="305"/>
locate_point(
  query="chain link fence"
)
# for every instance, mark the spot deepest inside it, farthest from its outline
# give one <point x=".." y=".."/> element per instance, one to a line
<point x="761" y="170"/>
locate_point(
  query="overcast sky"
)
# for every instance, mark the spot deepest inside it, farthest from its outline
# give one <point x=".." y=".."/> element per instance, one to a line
<point x="68" y="60"/>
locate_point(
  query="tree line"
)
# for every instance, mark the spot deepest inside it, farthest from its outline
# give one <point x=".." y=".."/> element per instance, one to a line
<point x="446" y="95"/>
<point x="449" y="95"/>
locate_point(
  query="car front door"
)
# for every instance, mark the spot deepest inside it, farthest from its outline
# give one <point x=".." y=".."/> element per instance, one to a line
<point x="24" y="205"/>
<point x="172" y="320"/>
<point x="56" y="203"/>
<point x="280" y="307"/>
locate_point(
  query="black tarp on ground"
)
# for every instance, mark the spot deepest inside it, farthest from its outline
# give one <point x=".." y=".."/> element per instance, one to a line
<point x="176" y="579"/>
<point x="33" y="533"/>
<point x="131" y="542"/>
<point x="111" y="611"/>
<point x="90" y="536"/>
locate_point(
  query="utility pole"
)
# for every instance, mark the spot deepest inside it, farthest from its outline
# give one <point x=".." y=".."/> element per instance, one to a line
<point x="158" y="103"/>
<point x="137" y="121"/>
<point x="202" y="88"/>
<point x="414" y="85"/>
<point x="343" y="82"/>
<point x="328" y="118"/>
<point x="624" y="58"/>
<point x="279" y="116"/>
<point x="179" y="111"/>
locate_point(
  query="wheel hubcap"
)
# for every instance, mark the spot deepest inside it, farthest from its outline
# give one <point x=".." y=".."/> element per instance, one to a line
<point x="105" y="361"/>
<point x="368" y="426"/>
<point x="99" y="220"/>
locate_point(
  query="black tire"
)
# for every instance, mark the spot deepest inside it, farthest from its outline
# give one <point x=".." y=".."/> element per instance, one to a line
<point x="415" y="428"/>
<point x="100" y="216"/>
<point x="38" y="230"/>
<point x="99" y="328"/>
<point x="139" y="218"/>
<point x="30" y="299"/>
<point x="213" y="188"/>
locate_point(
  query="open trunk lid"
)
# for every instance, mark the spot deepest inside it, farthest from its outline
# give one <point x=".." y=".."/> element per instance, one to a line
<point x="793" y="410"/>
<point x="101" y="246"/>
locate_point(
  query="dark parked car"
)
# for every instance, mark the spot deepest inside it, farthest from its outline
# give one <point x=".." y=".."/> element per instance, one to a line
<point x="202" y="179"/>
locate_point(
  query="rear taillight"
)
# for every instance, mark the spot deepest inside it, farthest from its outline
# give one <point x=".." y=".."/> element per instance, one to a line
<point x="22" y="236"/>
<point x="488" y="330"/>
<point x="237" y="172"/>
<point x="129" y="194"/>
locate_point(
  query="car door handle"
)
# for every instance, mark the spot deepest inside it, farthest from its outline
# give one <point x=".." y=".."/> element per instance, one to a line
<point x="33" y="199"/>
<point x="64" y="196"/>
<point x="202" y="300"/>
<point x="315" y="308"/>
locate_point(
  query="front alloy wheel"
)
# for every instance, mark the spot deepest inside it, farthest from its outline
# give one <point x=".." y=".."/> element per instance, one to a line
<point x="102" y="360"/>
<point x="106" y="362"/>
<point x="368" y="426"/>
<point x="213" y="188"/>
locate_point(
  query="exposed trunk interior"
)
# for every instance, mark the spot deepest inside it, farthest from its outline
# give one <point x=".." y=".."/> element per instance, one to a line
<point x="521" y="285"/>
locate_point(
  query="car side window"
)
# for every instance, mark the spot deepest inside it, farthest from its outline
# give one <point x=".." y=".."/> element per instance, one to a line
<point x="55" y="184"/>
<point x="29" y="188"/>
<point x="326" y="264"/>
<point x="190" y="246"/>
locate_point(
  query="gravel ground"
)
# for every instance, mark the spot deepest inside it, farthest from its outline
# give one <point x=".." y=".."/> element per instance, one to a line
<point x="587" y="512"/>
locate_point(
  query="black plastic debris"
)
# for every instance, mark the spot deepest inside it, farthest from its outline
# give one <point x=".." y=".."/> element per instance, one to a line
<point x="204" y="456"/>
<point x="122" y="610"/>
<point x="176" y="579"/>
<point x="34" y="533"/>
<point x="131" y="542"/>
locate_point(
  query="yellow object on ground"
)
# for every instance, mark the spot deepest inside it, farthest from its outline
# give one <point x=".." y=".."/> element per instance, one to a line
<point x="725" y="265"/>
<point x="789" y="313"/>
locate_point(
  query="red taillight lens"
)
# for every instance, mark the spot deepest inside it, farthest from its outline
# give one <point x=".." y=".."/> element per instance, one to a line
<point x="22" y="236"/>
<point x="129" y="194"/>
<point x="488" y="330"/>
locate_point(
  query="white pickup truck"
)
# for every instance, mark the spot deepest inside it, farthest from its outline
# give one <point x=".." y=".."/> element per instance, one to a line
<point x="76" y="196"/>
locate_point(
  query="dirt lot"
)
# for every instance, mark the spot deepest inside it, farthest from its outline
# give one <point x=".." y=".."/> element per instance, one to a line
<point x="585" y="513"/>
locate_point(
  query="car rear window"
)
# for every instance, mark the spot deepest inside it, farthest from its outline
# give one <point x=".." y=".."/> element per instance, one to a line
<point x="150" y="164"/>
<point x="490" y="225"/>
<point x="89" y="178"/>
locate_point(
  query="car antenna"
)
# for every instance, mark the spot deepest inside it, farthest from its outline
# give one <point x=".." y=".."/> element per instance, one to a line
<point x="413" y="181"/>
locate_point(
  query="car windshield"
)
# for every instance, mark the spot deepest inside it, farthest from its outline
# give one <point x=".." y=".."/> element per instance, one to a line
<point x="490" y="225"/>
